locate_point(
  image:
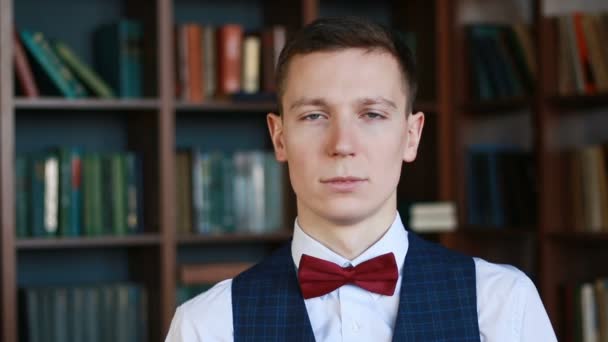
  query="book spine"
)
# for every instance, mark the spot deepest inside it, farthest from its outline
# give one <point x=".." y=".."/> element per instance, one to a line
<point x="32" y="41"/>
<point x="229" y="47"/>
<point x="23" y="69"/>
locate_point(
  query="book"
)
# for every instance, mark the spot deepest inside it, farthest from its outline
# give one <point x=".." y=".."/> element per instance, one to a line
<point x="90" y="78"/>
<point x="23" y="70"/>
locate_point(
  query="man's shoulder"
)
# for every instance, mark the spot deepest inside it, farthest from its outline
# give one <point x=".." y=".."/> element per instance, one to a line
<point x="216" y="300"/>
<point x="502" y="287"/>
<point x="500" y="275"/>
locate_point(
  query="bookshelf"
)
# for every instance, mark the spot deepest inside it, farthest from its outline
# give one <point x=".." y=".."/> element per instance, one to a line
<point x="158" y="123"/>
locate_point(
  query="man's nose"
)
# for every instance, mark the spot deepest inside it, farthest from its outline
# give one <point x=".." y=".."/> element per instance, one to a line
<point x="341" y="140"/>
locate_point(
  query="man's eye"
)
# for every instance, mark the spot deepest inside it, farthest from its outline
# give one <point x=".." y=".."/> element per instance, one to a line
<point x="373" y="115"/>
<point x="312" y="117"/>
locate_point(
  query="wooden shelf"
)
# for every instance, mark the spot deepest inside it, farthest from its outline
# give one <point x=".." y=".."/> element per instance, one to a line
<point x="497" y="106"/>
<point x="210" y="106"/>
<point x="282" y="236"/>
<point x="496" y="232"/>
<point x="50" y="103"/>
<point x="82" y="242"/>
<point x="578" y="101"/>
<point x="581" y="237"/>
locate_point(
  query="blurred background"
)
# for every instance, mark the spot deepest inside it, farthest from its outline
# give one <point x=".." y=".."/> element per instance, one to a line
<point x="136" y="169"/>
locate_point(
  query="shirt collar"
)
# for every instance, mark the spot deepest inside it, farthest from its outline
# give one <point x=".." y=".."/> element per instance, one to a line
<point x="394" y="240"/>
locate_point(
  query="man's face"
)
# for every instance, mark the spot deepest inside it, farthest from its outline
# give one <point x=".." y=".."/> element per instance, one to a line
<point x="344" y="132"/>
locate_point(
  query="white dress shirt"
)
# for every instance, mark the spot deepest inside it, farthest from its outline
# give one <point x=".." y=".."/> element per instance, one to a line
<point x="508" y="305"/>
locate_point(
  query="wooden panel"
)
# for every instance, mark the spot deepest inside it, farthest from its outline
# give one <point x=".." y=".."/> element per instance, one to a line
<point x="280" y="236"/>
<point x="50" y="103"/>
<point x="8" y="312"/>
<point x="97" y="242"/>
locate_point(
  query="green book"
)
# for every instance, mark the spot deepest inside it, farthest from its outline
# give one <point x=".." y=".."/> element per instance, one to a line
<point x="92" y="188"/>
<point x="33" y="307"/>
<point x="22" y="194"/>
<point x="90" y="78"/>
<point x="118" y="169"/>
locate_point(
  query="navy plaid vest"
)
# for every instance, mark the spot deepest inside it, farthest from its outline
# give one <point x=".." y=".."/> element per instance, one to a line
<point x="438" y="298"/>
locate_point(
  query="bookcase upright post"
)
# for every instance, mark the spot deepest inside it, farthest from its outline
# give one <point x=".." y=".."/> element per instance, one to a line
<point x="8" y="298"/>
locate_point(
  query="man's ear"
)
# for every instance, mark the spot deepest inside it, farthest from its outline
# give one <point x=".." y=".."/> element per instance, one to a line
<point x="275" y="127"/>
<point x="415" y="123"/>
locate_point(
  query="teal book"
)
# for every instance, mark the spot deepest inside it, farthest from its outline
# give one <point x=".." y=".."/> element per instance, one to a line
<point x="118" y="54"/>
<point x="70" y="222"/>
<point x="134" y="58"/>
<point x="228" y="217"/>
<point x="109" y="315"/>
<point x="134" y="193"/>
<point x="22" y="195"/>
<point x="91" y="317"/>
<point x="33" y="42"/>
<point x="60" y="313"/>
<point x="76" y="309"/>
<point x="33" y="315"/>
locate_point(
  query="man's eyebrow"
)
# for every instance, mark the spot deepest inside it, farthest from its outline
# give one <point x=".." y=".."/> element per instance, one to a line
<point x="377" y="100"/>
<point x="306" y="101"/>
<point x="320" y="102"/>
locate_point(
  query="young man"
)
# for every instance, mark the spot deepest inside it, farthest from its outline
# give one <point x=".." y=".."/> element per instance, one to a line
<point x="352" y="272"/>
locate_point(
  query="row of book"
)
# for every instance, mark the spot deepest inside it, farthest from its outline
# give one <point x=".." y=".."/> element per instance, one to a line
<point x="588" y="170"/>
<point x="221" y="193"/>
<point x="65" y="192"/>
<point x="586" y="310"/>
<point x="502" y="60"/>
<point x="48" y="66"/>
<point x="583" y="53"/>
<point x="432" y="217"/>
<point x="225" y="60"/>
<point x="501" y="186"/>
<point x="105" y="312"/>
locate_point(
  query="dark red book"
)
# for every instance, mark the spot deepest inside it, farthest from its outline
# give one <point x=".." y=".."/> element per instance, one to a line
<point x="23" y="69"/>
<point x="229" y="49"/>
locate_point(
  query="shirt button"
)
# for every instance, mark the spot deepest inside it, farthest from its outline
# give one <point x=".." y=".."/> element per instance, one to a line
<point x="355" y="326"/>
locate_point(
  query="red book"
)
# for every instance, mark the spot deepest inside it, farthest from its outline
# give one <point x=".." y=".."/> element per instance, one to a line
<point x="229" y="49"/>
<point x="273" y="40"/>
<point x="23" y="69"/>
<point x="195" y="63"/>
<point x="583" y="51"/>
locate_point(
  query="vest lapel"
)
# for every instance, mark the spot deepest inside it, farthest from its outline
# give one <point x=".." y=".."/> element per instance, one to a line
<point x="268" y="304"/>
<point x="438" y="299"/>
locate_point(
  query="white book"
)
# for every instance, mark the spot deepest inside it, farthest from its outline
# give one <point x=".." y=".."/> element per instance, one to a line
<point x="589" y="314"/>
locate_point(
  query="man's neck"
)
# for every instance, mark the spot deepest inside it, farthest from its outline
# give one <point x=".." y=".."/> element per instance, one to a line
<point x="347" y="240"/>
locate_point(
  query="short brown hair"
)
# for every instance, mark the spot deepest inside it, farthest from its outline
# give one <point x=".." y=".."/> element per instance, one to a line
<point x="338" y="33"/>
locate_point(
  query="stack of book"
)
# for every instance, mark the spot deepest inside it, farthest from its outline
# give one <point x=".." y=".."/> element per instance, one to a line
<point x="50" y="67"/>
<point x="226" y="61"/>
<point x="502" y="61"/>
<point x="586" y="310"/>
<point x="67" y="193"/>
<point x="502" y="187"/>
<point x="224" y="193"/>
<point x="588" y="174"/>
<point x="104" y="312"/>
<point x="433" y="217"/>
<point x="582" y="56"/>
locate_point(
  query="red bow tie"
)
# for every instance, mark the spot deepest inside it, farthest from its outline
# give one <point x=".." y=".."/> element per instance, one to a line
<point x="318" y="277"/>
